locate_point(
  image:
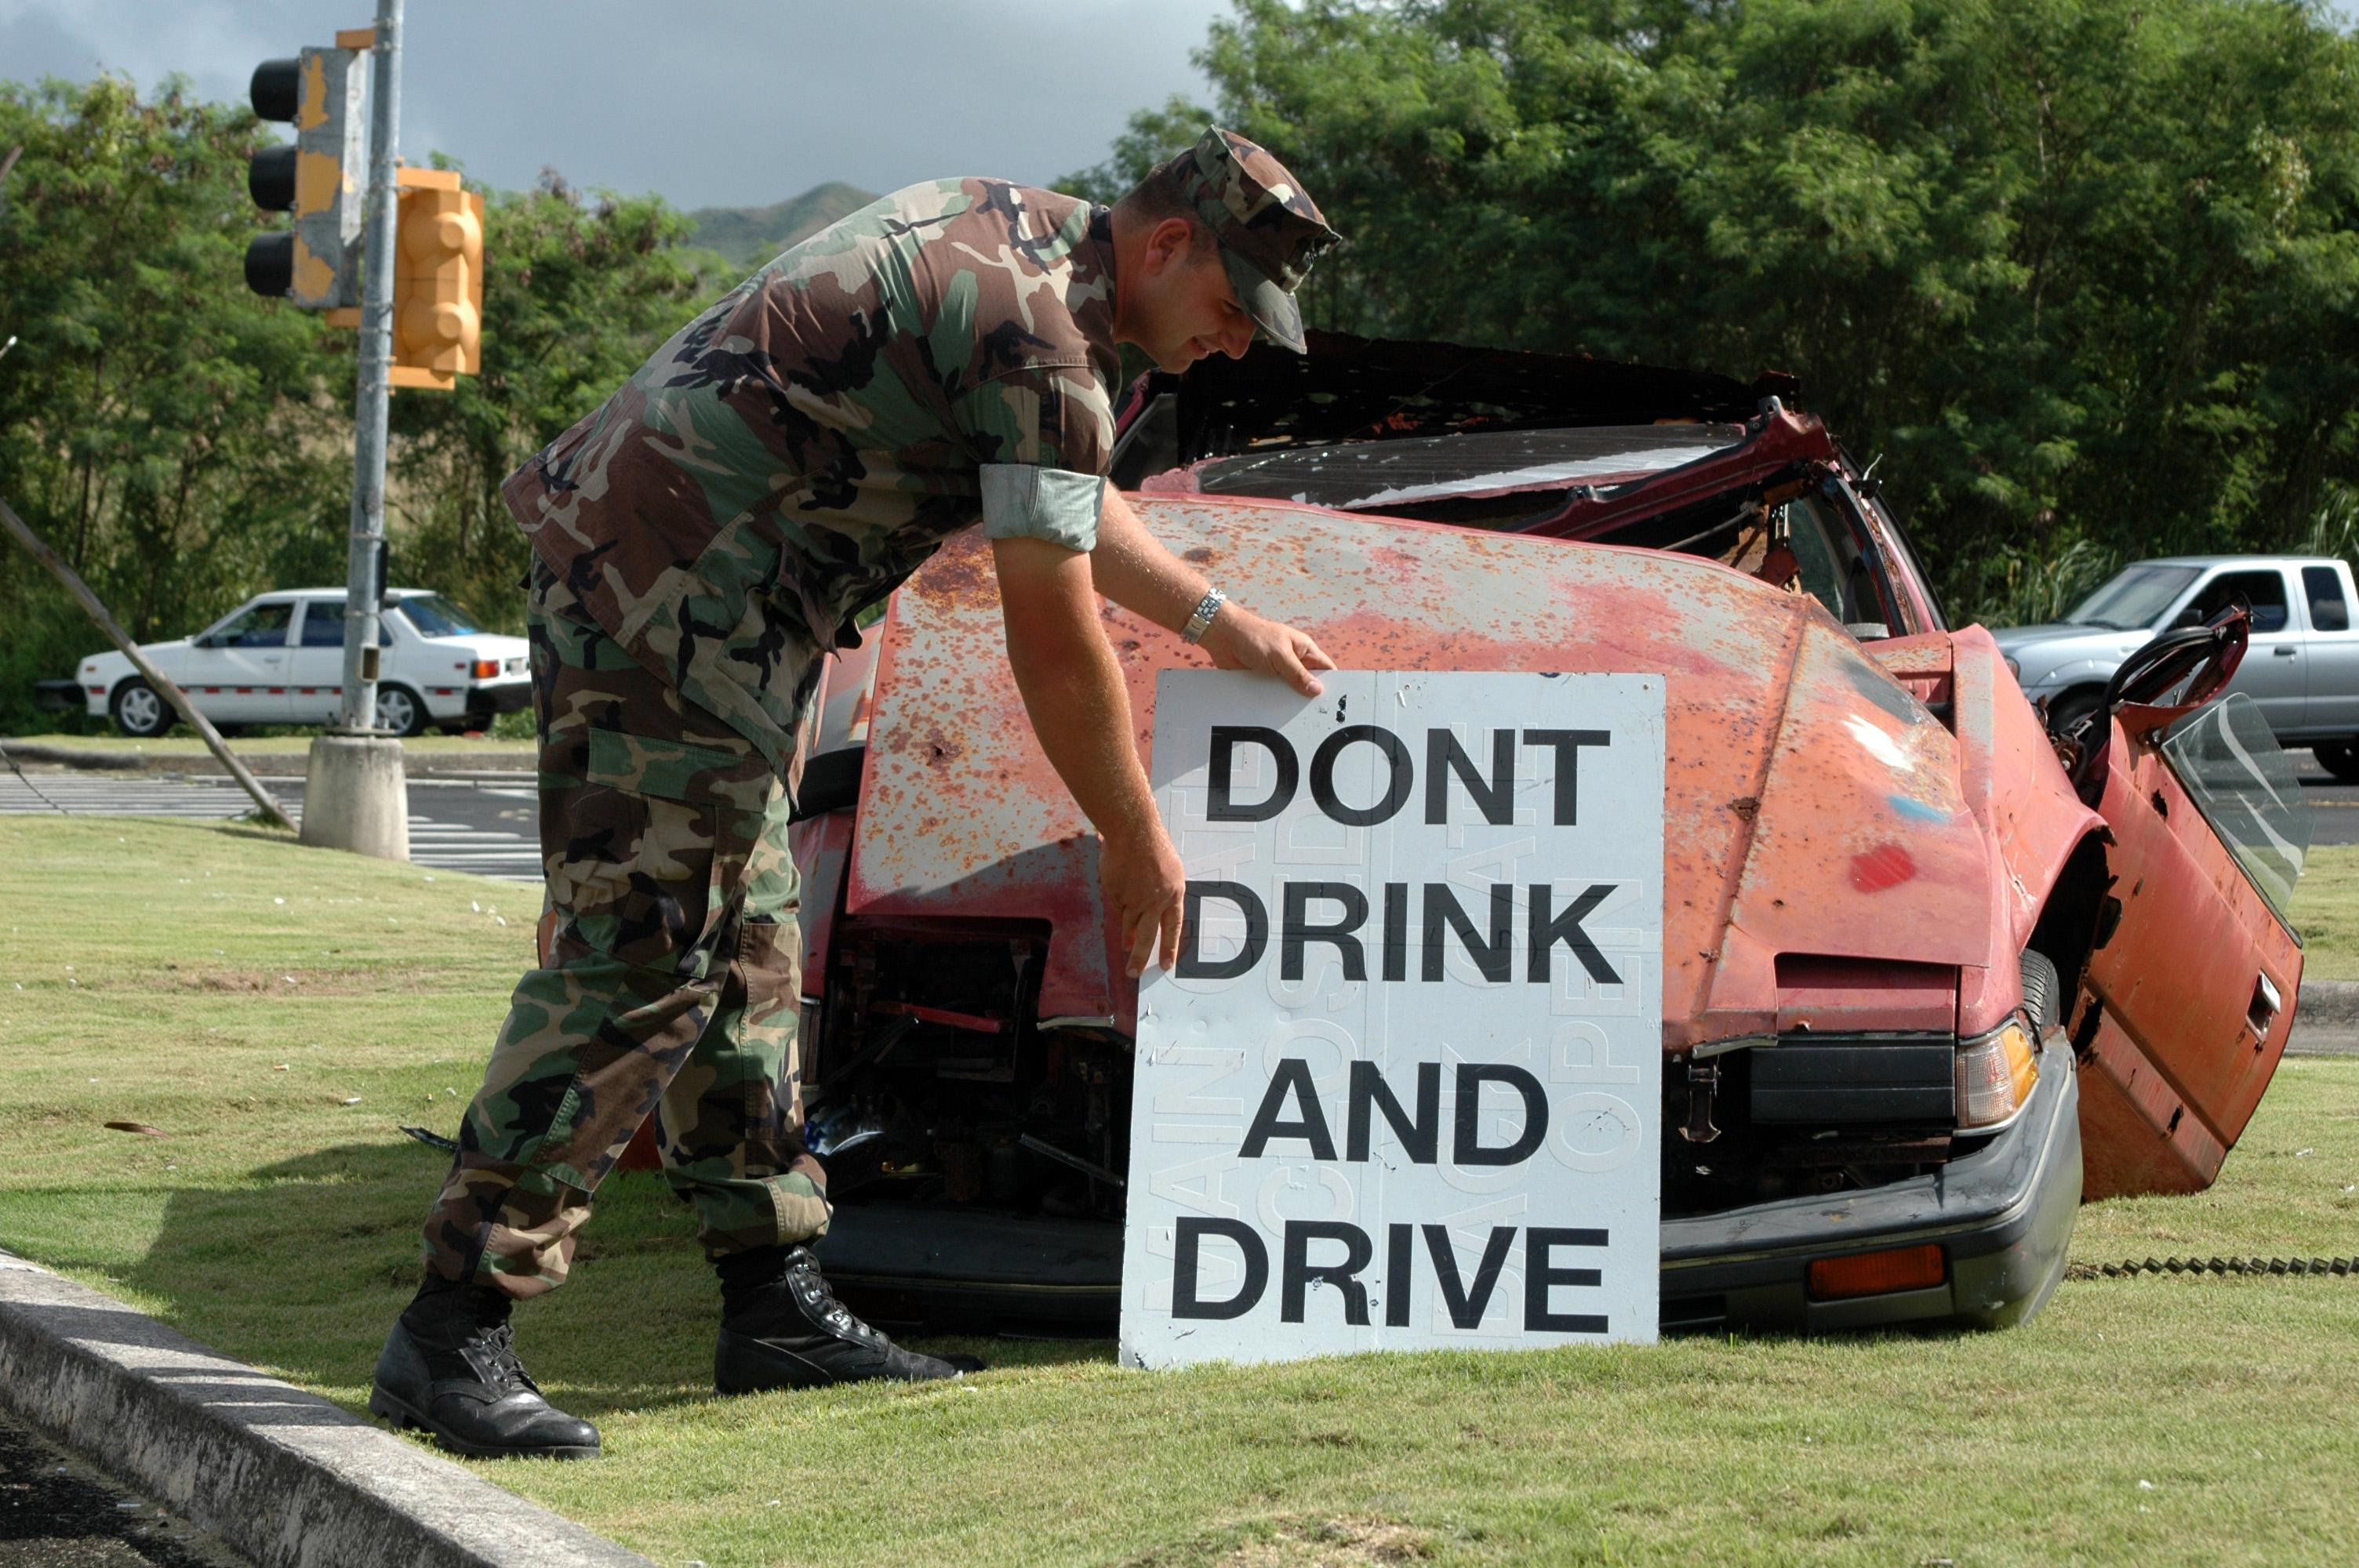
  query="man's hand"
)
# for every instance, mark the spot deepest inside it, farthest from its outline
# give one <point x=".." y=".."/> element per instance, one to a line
<point x="1240" y="640"/>
<point x="1146" y="886"/>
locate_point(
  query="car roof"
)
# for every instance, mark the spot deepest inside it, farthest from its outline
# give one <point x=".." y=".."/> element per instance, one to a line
<point x="280" y="595"/>
<point x="2233" y="560"/>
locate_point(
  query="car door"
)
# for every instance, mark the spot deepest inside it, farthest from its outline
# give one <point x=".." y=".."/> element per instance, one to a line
<point x="2331" y="652"/>
<point x="315" y="679"/>
<point x="2188" y="992"/>
<point x="237" y="671"/>
<point x="2274" y="673"/>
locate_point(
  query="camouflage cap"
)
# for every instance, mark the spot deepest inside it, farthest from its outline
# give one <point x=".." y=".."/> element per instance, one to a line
<point x="1269" y="231"/>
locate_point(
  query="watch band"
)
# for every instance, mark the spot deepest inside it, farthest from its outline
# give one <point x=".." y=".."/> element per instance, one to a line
<point x="1200" y="622"/>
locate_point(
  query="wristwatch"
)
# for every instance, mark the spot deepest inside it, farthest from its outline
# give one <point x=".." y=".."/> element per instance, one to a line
<point x="1200" y="622"/>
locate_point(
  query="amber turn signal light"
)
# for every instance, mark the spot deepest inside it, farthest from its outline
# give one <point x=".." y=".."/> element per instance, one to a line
<point x="1878" y="1273"/>
<point x="486" y="668"/>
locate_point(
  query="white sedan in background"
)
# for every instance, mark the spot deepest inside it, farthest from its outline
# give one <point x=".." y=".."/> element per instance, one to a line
<point x="279" y="659"/>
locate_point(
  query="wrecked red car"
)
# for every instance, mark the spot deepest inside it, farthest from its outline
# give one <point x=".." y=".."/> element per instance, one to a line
<point x="1933" y="976"/>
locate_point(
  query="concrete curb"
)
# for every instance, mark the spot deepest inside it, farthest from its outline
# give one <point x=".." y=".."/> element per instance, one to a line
<point x="2326" y="1021"/>
<point x="281" y="1476"/>
<point x="519" y="759"/>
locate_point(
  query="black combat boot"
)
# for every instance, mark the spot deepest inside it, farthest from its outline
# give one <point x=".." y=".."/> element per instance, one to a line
<point x="449" y="1366"/>
<point x="781" y="1328"/>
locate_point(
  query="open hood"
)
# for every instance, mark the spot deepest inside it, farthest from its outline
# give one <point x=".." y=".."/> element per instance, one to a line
<point x="1818" y="848"/>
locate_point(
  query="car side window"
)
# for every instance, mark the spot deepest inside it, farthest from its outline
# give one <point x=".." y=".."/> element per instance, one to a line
<point x="323" y="624"/>
<point x="264" y="626"/>
<point x="1833" y="569"/>
<point x="2329" y="610"/>
<point x="2264" y="590"/>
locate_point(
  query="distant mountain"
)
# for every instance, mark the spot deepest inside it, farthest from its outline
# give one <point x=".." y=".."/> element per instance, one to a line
<point x="751" y="235"/>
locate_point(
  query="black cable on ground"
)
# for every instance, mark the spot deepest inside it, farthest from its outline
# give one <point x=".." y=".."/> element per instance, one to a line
<point x="2214" y="1266"/>
<point x="29" y="785"/>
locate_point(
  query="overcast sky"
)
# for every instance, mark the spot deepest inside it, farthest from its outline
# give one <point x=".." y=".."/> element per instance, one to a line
<point x="708" y="102"/>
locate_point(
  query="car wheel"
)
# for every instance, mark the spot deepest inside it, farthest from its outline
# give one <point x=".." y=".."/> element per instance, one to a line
<point x="140" y="710"/>
<point x="2340" y="758"/>
<point x="2042" y="989"/>
<point x="401" y="710"/>
<point x="2068" y="709"/>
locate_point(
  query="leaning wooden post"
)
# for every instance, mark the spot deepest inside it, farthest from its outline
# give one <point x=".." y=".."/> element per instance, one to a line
<point x="164" y="685"/>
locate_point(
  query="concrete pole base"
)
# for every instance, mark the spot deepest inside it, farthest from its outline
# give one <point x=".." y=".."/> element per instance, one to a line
<point x="355" y="796"/>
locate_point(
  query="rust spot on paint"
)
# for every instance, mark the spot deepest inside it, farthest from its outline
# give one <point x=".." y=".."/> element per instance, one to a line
<point x="1885" y="866"/>
<point x="1201" y="555"/>
<point x="1745" y="806"/>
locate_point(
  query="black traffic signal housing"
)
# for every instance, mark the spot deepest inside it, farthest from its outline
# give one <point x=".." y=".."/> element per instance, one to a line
<point x="319" y="178"/>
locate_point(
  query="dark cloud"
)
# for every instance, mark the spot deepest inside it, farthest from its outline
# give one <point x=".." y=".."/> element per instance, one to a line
<point x="709" y="104"/>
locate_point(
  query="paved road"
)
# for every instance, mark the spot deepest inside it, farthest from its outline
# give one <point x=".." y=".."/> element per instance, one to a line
<point x="489" y="825"/>
<point x="58" y="1512"/>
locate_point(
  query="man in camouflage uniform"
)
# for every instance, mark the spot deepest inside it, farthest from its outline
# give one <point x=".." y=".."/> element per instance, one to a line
<point x="702" y="542"/>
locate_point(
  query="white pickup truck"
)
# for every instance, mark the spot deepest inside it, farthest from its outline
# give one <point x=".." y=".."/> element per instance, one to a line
<point x="279" y="658"/>
<point x="2301" y="670"/>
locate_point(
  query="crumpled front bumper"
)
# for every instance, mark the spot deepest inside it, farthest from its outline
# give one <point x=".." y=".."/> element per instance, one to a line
<point x="2001" y="1213"/>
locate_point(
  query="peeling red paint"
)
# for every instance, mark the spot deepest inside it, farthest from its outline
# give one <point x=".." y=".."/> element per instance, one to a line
<point x="1885" y="866"/>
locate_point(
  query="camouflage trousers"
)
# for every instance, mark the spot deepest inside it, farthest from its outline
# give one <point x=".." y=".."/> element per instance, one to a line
<point x="670" y="985"/>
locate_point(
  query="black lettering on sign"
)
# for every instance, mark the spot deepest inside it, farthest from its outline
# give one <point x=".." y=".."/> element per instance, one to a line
<point x="1297" y="928"/>
<point x="1467" y="1148"/>
<point x="1397" y="784"/>
<point x="1188" y="1256"/>
<point x="1567" y="746"/>
<point x="1397" y="1242"/>
<point x="1193" y="965"/>
<point x="1465" y="1303"/>
<point x="1396" y="962"/>
<point x="1420" y="1137"/>
<point x="1541" y="1273"/>
<point x="1548" y="930"/>
<point x="1495" y="797"/>
<point x="1293" y="1077"/>
<point x="1493" y="953"/>
<point x="1223" y="806"/>
<point x="1294" y="1280"/>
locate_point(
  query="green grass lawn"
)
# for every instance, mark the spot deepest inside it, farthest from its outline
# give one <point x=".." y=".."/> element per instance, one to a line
<point x="276" y="1013"/>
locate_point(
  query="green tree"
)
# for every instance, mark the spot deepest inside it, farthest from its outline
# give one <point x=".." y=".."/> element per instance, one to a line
<point x="166" y="430"/>
<point x="576" y="295"/>
<point x="2086" y="269"/>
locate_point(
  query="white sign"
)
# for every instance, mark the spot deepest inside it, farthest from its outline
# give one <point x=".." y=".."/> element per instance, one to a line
<point x="1404" y="1088"/>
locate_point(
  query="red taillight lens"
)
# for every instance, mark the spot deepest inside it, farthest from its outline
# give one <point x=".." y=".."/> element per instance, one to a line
<point x="1878" y="1273"/>
<point x="486" y="668"/>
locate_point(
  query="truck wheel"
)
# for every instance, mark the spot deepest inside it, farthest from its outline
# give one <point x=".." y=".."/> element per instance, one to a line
<point x="2340" y="758"/>
<point x="140" y="711"/>
<point x="401" y="710"/>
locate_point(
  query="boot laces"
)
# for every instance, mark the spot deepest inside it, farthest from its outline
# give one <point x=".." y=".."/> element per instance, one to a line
<point x="495" y="1359"/>
<point x="819" y="1299"/>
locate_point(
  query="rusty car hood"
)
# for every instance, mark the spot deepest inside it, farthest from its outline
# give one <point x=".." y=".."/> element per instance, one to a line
<point x="1814" y="818"/>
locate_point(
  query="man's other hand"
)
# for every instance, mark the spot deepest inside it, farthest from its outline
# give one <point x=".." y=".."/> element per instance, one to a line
<point x="1240" y="640"/>
<point x="1146" y="888"/>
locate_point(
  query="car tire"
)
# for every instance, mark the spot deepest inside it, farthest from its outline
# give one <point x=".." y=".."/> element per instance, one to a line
<point x="2043" y="991"/>
<point x="2340" y="758"/>
<point x="2068" y="708"/>
<point x="140" y="711"/>
<point x="401" y="710"/>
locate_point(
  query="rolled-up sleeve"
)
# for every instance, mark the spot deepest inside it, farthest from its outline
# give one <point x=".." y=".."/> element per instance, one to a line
<point x="1024" y="501"/>
<point x="1044" y="433"/>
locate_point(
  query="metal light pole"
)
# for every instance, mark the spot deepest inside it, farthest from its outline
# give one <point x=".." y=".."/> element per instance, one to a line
<point x="356" y="796"/>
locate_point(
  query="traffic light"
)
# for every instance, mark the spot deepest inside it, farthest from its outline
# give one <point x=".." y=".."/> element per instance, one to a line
<point x="438" y="281"/>
<point x="319" y="178"/>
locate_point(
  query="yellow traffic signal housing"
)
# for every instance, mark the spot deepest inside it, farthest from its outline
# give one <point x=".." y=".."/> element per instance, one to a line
<point x="438" y="281"/>
<point x="317" y="178"/>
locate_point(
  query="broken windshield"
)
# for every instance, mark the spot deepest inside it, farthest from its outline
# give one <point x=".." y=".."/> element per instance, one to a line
<point x="1420" y="469"/>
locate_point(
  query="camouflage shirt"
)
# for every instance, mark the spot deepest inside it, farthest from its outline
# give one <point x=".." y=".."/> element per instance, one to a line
<point x="797" y="449"/>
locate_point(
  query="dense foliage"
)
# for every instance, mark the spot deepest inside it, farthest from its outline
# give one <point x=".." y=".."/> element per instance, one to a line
<point x="184" y="443"/>
<point x="2083" y="271"/>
